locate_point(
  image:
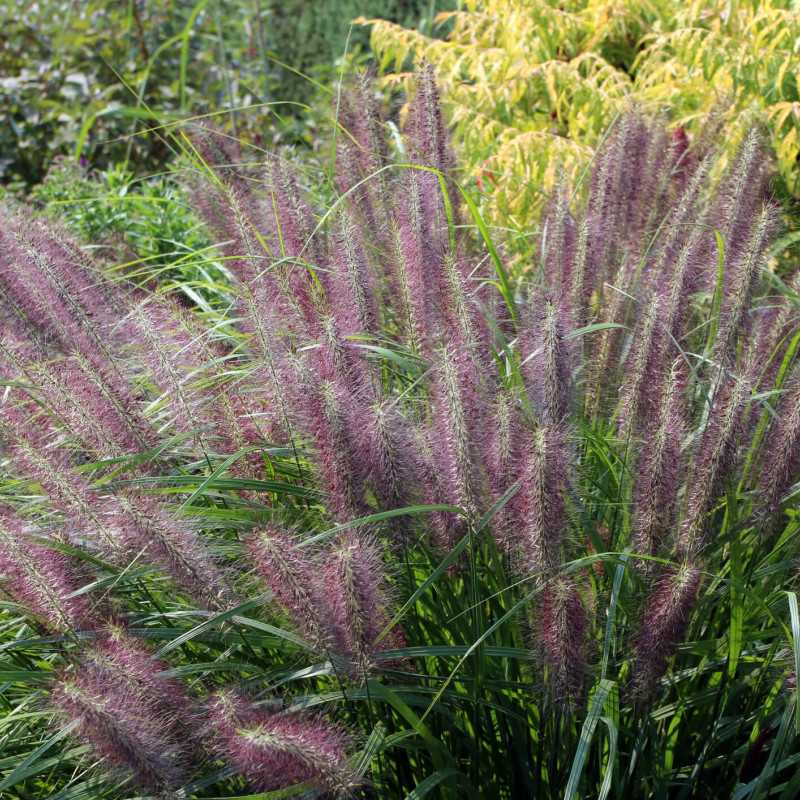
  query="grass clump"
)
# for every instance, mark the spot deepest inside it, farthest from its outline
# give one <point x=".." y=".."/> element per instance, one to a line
<point x="391" y="524"/>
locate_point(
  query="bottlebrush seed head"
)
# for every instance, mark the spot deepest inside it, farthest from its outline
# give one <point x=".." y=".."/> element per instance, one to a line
<point x="41" y="578"/>
<point x="546" y="362"/>
<point x="781" y="449"/>
<point x="455" y="397"/>
<point x="664" y="619"/>
<point x="276" y="750"/>
<point x="541" y="503"/>
<point x="659" y="468"/>
<point x="643" y="377"/>
<point x="131" y="736"/>
<point x="384" y="449"/>
<point x="563" y="626"/>
<point x="293" y="576"/>
<point x="352" y="286"/>
<point x="713" y="459"/>
<point x="323" y="414"/>
<point x="117" y="654"/>
<point x="503" y="446"/>
<point x="358" y="603"/>
<point x="741" y="280"/>
<point x="557" y="248"/>
<point x="146" y="529"/>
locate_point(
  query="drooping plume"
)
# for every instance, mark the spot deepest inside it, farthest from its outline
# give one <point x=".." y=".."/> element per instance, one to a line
<point x="41" y="578"/>
<point x="663" y="622"/>
<point x="275" y="750"/>
<point x="358" y="602"/>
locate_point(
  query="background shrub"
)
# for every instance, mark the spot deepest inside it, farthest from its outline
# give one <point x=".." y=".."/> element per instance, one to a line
<point x="532" y="87"/>
<point x="81" y="78"/>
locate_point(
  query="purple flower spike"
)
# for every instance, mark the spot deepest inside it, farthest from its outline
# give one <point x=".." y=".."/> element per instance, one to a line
<point x="41" y="578"/>
<point x="659" y="469"/>
<point x="563" y="627"/>
<point x="541" y="502"/>
<point x="275" y="750"/>
<point x="124" y="725"/>
<point x="358" y="602"/>
<point x="713" y="459"/>
<point x="546" y="363"/>
<point x="781" y="448"/>
<point x="292" y="575"/>
<point x="664" y="619"/>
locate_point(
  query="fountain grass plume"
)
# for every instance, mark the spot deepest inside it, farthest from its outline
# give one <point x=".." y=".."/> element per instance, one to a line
<point x="40" y="578"/>
<point x="273" y="750"/>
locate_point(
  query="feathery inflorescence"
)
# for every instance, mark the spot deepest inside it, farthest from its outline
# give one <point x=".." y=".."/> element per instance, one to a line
<point x="369" y="368"/>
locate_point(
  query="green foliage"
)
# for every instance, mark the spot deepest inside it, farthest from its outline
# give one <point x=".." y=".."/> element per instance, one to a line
<point x="143" y="228"/>
<point x="82" y="78"/>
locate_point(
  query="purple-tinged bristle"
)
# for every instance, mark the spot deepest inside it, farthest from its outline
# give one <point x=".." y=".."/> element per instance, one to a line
<point x="358" y="603"/>
<point x="541" y="503"/>
<point x="273" y="750"/>
<point x="741" y="280"/>
<point x="293" y="576"/>
<point x="563" y="626"/>
<point x="457" y="402"/>
<point x="324" y="413"/>
<point x="557" y="248"/>
<point x="781" y="447"/>
<point x="659" y="469"/>
<point x="41" y="578"/>
<point x="125" y="726"/>
<point x="663" y="622"/>
<point x="713" y="459"/>
<point x="353" y="287"/>
<point x="145" y="528"/>
<point x="546" y="361"/>
<point x="503" y="455"/>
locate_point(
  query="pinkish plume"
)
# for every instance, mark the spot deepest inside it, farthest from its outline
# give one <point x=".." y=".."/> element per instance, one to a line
<point x="503" y="448"/>
<point x="95" y="404"/>
<point x="643" y="374"/>
<point x="44" y="275"/>
<point x="361" y="152"/>
<point x="383" y="450"/>
<point x="741" y="279"/>
<point x="352" y="285"/>
<point x="298" y="243"/>
<point x="739" y="199"/>
<point x="663" y="623"/>
<point x="563" y="625"/>
<point x="713" y="459"/>
<point x="146" y="529"/>
<point x="115" y="652"/>
<point x="557" y="248"/>
<point x="659" y="469"/>
<point x="546" y="363"/>
<point x="781" y="448"/>
<point x="274" y="750"/>
<point x="541" y="503"/>
<point x="118" y="526"/>
<point x="125" y="725"/>
<point x="293" y="576"/>
<point x="40" y="578"/>
<point x="415" y="268"/>
<point x="323" y="412"/>
<point x="429" y="145"/>
<point x="356" y="593"/>
<point x="457" y="407"/>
